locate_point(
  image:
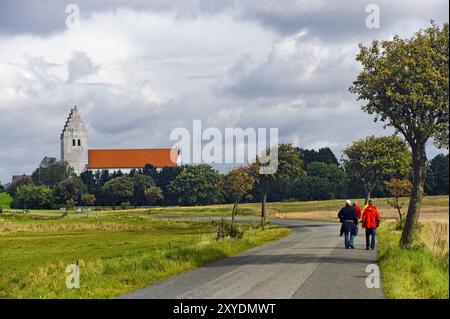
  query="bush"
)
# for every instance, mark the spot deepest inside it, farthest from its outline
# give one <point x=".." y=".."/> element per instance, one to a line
<point x="88" y="199"/>
<point x="226" y="229"/>
<point x="70" y="204"/>
<point x="125" y="205"/>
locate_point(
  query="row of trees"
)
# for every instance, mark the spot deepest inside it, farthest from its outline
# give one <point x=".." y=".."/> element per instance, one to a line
<point x="301" y="175"/>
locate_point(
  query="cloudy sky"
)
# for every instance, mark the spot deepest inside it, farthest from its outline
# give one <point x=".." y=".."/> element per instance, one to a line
<point x="138" y="69"/>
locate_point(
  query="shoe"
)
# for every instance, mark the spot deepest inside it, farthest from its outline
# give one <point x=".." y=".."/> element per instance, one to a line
<point x="373" y="248"/>
<point x="352" y="247"/>
<point x="367" y="248"/>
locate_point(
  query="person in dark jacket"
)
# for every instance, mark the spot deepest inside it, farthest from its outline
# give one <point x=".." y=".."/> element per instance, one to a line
<point x="349" y="221"/>
<point x="359" y="212"/>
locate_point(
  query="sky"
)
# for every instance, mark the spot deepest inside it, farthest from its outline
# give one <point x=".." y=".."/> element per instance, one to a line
<point x="139" y="69"/>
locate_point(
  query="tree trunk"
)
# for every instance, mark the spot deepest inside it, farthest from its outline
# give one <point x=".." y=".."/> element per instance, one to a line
<point x="366" y="200"/>
<point x="415" y="201"/>
<point x="263" y="211"/>
<point x="233" y="213"/>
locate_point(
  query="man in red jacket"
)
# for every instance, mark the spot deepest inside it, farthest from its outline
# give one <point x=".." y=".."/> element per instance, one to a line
<point x="370" y="221"/>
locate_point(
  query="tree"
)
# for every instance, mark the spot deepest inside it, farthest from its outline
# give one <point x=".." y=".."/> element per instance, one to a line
<point x="436" y="182"/>
<point x="335" y="177"/>
<point x="197" y="185"/>
<point x="289" y="167"/>
<point x="140" y="185"/>
<point x="33" y="196"/>
<point x="51" y="172"/>
<point x="323" y="155"/>
<point x="163" y="178"/>
<point x="237" y="183"/>
<point x="88" y="199"/>
<point x="398" y="188"/>
<point x="153" y="194"/>
<point x="375" y="158"/>
<point x="405" y="83"/>
<point x="70" y="188"/>
<point x="119" y="188"/>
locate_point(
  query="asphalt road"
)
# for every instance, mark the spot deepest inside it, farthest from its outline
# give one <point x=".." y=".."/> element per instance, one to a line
<point x="309" y="263"/>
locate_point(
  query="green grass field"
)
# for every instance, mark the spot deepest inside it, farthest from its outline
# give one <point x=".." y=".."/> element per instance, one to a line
<point x="433" y="207"/>
<point x="120" y="251"/>
<point x="416" y="273"/>
<point x="5" y="200"/>
<point x="117" y="253"/>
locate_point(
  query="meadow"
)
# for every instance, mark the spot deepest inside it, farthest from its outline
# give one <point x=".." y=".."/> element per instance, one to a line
<point x="120" y="251"/>
<point x="434" y="207"/>
<point x="117" y="253"/>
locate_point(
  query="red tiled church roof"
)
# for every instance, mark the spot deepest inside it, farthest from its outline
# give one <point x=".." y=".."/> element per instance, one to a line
<point x="132" y="158"/>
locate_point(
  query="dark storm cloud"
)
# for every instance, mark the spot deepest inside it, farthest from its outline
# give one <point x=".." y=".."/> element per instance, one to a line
<point x="259" y="64"/>
<point x="327" y="19"/>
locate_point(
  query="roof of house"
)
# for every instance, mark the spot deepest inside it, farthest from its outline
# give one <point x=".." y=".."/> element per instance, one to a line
<point x="132" y="158"/>
<point x="17" y="178"/>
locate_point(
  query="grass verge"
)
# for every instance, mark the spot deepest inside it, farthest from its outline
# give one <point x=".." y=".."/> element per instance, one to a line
<point x="5" y="200"/>
<point x="116" y="253"/>
<point x="415" y="273"/>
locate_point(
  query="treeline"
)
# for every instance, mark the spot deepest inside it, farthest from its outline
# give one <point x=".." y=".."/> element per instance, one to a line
<point x="302" y="175"/>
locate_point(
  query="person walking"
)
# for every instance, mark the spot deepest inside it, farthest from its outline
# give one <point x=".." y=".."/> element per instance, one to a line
<point x="349" y="221"/>
<point x="359" y="212"/>
<point x="371" y="221"/>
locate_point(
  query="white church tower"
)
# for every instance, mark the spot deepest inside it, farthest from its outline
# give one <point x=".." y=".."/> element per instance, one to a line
<point x="74" y="142"/>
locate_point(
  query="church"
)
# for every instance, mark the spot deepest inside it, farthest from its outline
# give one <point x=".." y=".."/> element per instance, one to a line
<point x="75" y="151"/>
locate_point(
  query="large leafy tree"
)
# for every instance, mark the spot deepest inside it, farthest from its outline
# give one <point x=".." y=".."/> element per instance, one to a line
<point x="33" y="196"/>
<point x="374" y="159"/>
<point x="163" y="177"/>
<point x="51" y="172"/>
<point x="197" y="185"/>
<point x="436" y="182"/>
<point x="334" y="175"/>
<point x="289" y="167"/>
<point x="237" y="183"/>
<point x="119" y="188"/>
<point x="70" y="188"/>
<point x="404" y="82"/>
<point x="140" y="184"/>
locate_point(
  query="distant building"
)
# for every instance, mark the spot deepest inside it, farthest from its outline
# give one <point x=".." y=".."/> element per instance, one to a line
<point x="74" y="142"/>
<point x="18" y="178"/>
<point x="74" y="150"/>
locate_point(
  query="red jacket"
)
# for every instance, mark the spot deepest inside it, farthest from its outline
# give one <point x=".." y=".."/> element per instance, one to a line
<point x="358" y="210"/>
<point x="371" y="217"/>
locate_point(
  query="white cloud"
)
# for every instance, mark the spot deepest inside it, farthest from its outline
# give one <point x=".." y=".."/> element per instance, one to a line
<point x="138" y="69"/>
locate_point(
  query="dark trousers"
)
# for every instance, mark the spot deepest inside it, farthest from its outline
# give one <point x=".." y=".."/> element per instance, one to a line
<point x="370" y="237"/>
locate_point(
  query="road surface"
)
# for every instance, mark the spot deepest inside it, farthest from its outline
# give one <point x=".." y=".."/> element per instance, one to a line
<point x="309" y="263"/>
